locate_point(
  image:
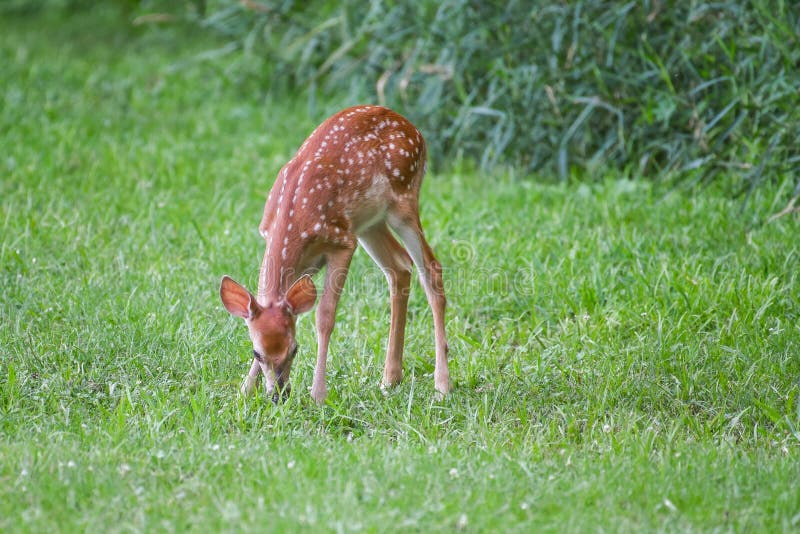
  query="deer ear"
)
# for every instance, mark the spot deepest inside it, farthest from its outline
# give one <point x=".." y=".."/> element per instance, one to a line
<point x="236" y="299"/>
<point x="302" y="295"/>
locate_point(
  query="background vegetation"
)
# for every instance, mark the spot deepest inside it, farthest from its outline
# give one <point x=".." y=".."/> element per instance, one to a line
<point x="689" y="90"/>
<point x="652" y="88"/>
<point x="624" y="358"/>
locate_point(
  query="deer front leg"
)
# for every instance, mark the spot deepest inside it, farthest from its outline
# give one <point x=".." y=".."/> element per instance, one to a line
<point x="336" y="269"/>
<point x="251" y="380"/>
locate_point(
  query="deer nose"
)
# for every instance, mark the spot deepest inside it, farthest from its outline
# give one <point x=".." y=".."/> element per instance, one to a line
<point x="281" y="391"/>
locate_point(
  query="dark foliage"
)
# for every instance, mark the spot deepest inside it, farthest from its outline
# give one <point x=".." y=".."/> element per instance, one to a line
<point x="651" y="88"/>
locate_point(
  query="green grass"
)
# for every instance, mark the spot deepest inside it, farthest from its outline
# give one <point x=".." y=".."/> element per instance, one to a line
<point x="623" y="358"/>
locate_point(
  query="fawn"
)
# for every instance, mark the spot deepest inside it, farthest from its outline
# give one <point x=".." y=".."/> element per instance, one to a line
<point x="356" y="179"/>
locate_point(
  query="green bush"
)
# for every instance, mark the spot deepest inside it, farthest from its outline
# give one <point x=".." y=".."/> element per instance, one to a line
<point x="651" y="88"/>
<point x="648" y="87"/>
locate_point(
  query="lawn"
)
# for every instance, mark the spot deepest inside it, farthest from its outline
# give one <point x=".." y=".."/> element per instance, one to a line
<point x="624" y="355"/>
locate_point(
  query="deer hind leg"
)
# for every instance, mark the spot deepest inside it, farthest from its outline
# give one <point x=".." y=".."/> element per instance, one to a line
<point x="396" y="264"/>
<point x="338" y="263"/>
<point x="430" y="273"/>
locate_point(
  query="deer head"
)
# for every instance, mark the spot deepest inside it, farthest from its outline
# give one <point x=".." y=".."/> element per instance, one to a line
<point x="271" y="326"/>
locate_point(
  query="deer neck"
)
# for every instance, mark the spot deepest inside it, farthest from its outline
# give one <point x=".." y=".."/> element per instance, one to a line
<point x="280" y="267"/>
